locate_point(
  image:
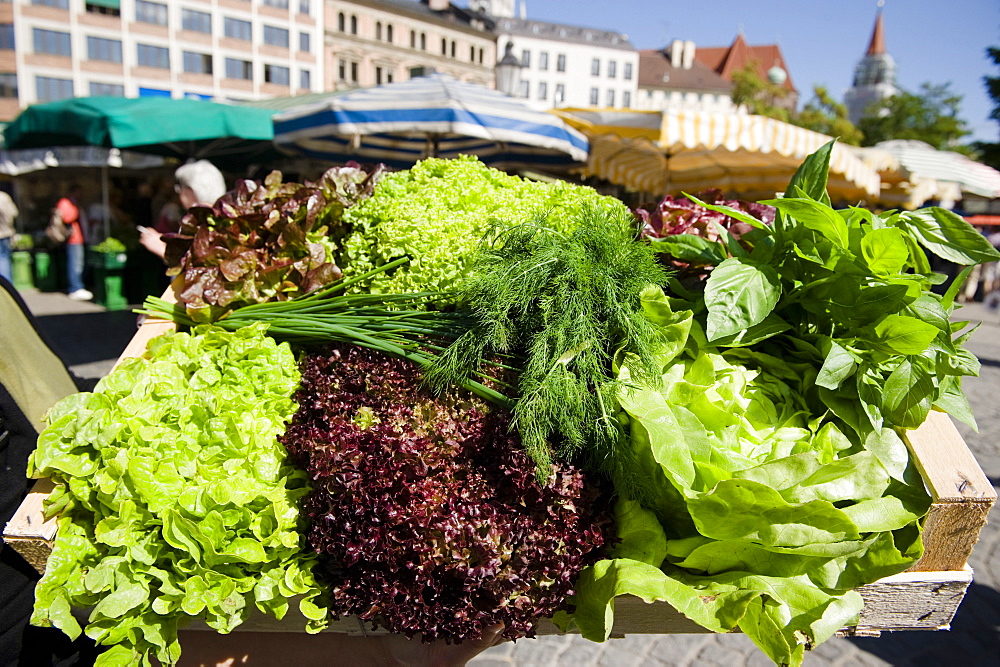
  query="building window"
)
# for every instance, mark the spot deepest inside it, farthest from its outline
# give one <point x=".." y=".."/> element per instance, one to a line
<point x="595" y="67"/>
<point x="378" y="30"/>
<point x="388" y="34"/>
<point x="561" y="62"/>
<point x="341" y="22"/>
<point x="523" y="90"/>
<point x="452" y="48"/>
<point x="109" y="50"/>
<point x="627" y="99"/>
<point x="560" y="93"/>
<point x="628" y="71"/>
<point x="305" y="7"/>
<point x="354" y="24"/>
<point x="342" y="70"/>
<point x="305" y="42"/>
<point x="276" y="74"/>
<point x="150" y="12"/>
<point x="276" y="36"/>
<point x="610" y="98"/>
<point x="7" y="36"/>
<point x="543" y="90"/>
<point x="101" y="8"/>
<point x="237" y="29"/>
<point x="239" y="69"/>
<point x="444" y="46"/>
<point x="472" y="54"/>
<point x="525" y="58"/>
<point x="423" y="41"/>
<point x="612" y="66"/>
<point x="196" y="21"/>
<point x="543" y="60"/>
<point x="280" y="4"/>
<point x="8" y="84"/>
<point x="480" y="55"/>
<point x="48" y="89"/>
<point x="305" y="79"/>
<point x="98" y="89"/>
<point x="61" y="4"/>
<point x="594" y="96"/>
<point x="197" y="63"/>
<point x="52" y="42"/>
<point x="378" y="76"/>
<point x="153" y="56"/>
<point x="354" y="72"/>
<point x="413" y="39"/>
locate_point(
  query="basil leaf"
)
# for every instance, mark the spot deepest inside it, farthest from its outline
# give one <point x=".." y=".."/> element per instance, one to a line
<point x="885" y="250"/>
<point x="771" y="326"/>
<point x="900" y="334"/>
<point x="739" y="293"/>
<point x="690" y="248"/>
<point x="948" y="236"/>
<point x="814" y="216"/>
<point x="812" y="175"/>
<point x="907" y="385"/>
<point x="737" y="214"/>
<point x="837" y="367"/>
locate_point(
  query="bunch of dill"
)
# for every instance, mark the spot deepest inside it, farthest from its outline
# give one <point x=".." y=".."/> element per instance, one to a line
<point x="564" y="303"/>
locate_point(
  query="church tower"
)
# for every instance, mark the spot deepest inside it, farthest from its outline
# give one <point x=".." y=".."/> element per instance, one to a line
<point x="874" y="76"/>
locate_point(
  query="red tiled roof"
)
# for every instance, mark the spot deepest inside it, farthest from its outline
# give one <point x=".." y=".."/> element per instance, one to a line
<point x="727" y="60"/>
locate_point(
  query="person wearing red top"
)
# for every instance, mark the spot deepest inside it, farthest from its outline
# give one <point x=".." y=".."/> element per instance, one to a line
<point x="72" y="215"/>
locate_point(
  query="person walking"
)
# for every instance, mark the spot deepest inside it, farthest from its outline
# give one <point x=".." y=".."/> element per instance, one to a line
<point x="8" y="212"/>
<point x="73" y="216"/>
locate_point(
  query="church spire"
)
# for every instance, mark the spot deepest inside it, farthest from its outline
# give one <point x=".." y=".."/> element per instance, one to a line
<point x="877" y="45"/>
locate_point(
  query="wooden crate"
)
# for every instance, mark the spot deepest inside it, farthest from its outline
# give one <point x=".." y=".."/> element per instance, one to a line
<point x="924" y="598"/>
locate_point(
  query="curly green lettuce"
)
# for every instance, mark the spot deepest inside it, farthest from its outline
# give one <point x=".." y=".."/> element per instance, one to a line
<point x="437" y="212"/>
<point x="175" y="499"/>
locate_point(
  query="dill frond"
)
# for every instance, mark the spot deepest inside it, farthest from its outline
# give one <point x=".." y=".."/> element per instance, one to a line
<point x="564" y="303"/>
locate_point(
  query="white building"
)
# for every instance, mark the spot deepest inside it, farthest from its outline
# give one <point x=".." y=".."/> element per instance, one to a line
<point x="673" y="78"/>
<point x="210" y="49"/>
<point x="570" y="66"/>
<point x="874" y="76"/>
<point x="371" y="42"/>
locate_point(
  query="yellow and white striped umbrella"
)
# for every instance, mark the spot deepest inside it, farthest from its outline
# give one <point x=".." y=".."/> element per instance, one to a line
<point x="683" y="151"/>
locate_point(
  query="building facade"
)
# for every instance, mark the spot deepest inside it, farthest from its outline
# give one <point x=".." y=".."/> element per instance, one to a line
<point x="672" y="78"/>
<point x="765" y="60"/>
<point x="874" y="76"/>
<point x="227" y="50"/>
<point x="371" y="42"/>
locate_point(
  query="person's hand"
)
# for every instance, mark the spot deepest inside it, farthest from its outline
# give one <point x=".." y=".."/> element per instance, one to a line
<point x="280" y="649"/>
<point x="151" y="241"/>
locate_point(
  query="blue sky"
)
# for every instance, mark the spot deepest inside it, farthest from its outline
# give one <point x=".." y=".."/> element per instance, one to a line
<point x="931" y="40"/>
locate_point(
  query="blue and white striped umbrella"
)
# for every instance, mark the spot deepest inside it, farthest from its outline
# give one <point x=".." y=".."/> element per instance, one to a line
<point x="436" y="115"/>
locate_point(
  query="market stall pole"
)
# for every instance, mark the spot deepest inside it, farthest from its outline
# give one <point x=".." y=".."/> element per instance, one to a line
<point x="925" y="597"/>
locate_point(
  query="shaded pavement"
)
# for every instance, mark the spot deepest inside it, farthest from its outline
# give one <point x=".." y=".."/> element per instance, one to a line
<point x="90" y="339"/>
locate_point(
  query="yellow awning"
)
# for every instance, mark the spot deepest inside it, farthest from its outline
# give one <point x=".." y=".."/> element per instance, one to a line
<point x="670" y="152"/>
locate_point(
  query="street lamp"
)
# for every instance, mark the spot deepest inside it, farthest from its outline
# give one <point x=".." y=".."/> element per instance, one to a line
<point x="508" y="71"/>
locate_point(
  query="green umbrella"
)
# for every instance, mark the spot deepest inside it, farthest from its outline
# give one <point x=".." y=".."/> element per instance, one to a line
<point x="162" y="126"/>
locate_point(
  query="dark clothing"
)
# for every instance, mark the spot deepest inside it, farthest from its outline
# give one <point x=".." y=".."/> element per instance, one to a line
<point x="21" y="644"/>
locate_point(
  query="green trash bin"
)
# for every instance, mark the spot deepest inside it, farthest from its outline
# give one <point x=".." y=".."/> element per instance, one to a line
<point x="108" y="272"/>
<point x="20" y="265"/>
<point x="46" y="273"/>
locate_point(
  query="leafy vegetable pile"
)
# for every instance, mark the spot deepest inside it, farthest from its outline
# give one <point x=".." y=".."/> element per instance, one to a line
<point x="264" y="241"/>
<point x="427" y="515"/>
<point x="783" y="483"/>
<point x="437" y="212"/>
<point x="175" y="499"/>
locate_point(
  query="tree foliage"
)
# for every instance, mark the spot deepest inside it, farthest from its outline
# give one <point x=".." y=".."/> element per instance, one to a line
<point x="989" y="151"/>
<point x="930" y="116"/>
<point x="826" y="115"/>
<point x="759" y="96"/>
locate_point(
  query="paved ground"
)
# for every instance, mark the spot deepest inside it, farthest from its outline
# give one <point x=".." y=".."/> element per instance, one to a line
<point x="90" y="339"/>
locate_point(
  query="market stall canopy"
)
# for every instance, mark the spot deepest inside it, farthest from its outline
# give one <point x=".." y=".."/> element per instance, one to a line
<point x="27" y="160"/>
<point x="669" y="152"/>
<point x="901" y="188"/>
<point x="181" y="128"/>
<point x="435" y="115"/>
<point x="922" y="161"/>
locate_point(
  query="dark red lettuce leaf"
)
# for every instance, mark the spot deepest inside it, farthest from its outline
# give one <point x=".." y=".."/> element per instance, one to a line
<point x="427" y="515"/>
<point x="264" y="241"/>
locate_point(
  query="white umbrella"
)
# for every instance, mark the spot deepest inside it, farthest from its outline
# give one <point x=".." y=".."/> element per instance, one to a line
<point x="921" y="161"/>
<point x="436" y="115"/>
